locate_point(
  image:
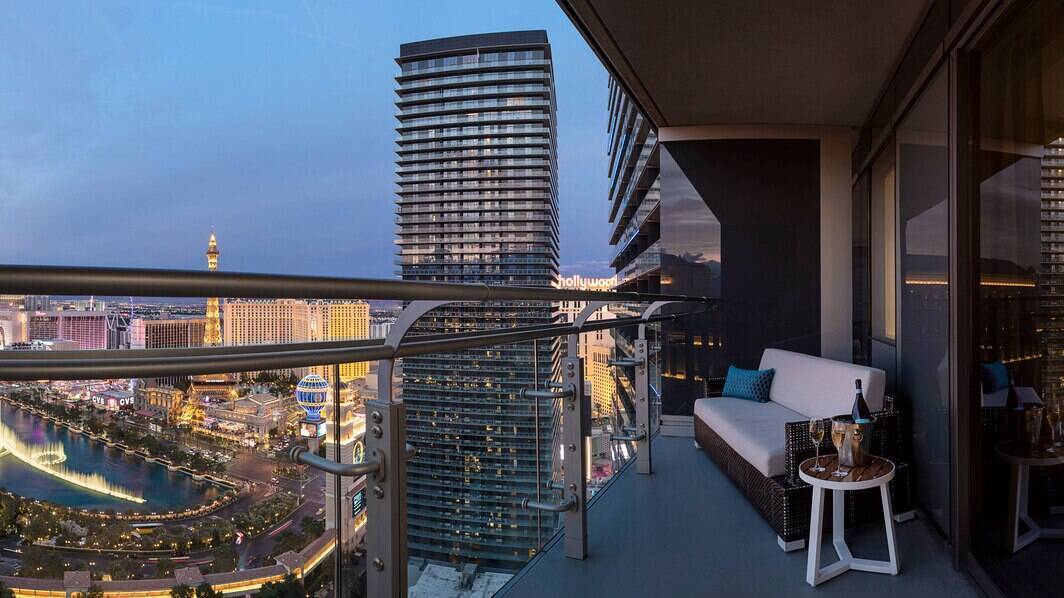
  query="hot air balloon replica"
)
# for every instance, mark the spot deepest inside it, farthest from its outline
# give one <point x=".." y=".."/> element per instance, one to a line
<point x="312" y="394"/>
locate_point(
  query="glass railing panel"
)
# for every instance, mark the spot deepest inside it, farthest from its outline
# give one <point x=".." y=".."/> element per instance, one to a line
<point x="155" y="483"/>
<point x="148" y="479"/>
<point x="482" y="449"/>
<point x="201" y="460"/>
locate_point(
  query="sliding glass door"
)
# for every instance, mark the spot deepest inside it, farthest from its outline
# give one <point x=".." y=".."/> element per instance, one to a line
<point x="1018" y="480"/>
<point x="923" y="294"/>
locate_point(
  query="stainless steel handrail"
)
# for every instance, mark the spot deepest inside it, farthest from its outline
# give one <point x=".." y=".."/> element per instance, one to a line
<point x="566" y="505"/>
<point x="303" y="456"/>
<point x="628" y="437"/>
<point x="147" y="282"/>
<point x="543" y="395"/>
<point x="300" y="454"/>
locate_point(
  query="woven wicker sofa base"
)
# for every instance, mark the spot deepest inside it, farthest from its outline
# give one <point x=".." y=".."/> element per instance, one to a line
<point x="785" y="504"/>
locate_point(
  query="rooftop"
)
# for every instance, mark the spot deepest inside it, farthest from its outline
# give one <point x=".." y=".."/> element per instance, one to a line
<point x="468" y="42"/>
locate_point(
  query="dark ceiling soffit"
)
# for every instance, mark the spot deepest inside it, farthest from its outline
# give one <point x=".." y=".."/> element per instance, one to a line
<point x="966" y="25"/>
<point x="587" y="21"/>
<point x="885" y="87"/>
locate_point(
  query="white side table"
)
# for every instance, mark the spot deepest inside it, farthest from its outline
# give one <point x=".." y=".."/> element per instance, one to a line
<point x="1021" y="461"/>
<point x="877" y="473"/>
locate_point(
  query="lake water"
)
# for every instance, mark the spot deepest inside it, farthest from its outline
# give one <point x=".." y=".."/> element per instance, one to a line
<point x="161" y="489"/>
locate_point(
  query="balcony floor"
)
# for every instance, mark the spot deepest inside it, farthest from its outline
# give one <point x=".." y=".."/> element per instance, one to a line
<point x="687" y="531"/>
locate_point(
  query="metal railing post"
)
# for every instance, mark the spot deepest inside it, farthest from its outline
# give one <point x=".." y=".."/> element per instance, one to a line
<point x="641" y="434"/>
<point x="386" y="541"/>
<point x="576" y="423"/>
<point x="386" y="508"/>
<point x="644" y="462"/>
<point x="338" y="552"/>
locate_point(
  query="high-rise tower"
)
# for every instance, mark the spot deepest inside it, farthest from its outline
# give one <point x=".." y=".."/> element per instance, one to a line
<point x="212" y="333"/>
<point x="477" y="202"/>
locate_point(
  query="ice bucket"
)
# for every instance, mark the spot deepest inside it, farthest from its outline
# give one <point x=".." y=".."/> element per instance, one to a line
<point x="856" y="447"/>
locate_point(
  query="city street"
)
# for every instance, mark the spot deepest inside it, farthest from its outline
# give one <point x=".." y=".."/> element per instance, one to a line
<point x="257" y="468"/>
<point x="259" y="547"/>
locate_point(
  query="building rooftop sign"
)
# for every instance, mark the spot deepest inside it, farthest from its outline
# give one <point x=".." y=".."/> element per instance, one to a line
<point x="584" y="283"/>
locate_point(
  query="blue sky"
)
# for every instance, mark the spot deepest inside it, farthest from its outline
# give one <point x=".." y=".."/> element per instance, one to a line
<point x="130" y="128"/>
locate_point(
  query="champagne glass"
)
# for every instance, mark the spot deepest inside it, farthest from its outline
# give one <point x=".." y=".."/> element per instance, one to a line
<point x="1053" y="416"/>
<point x="1058" y="427"/>
<point x="816" y="435"/>
<point x="838" y="435"/>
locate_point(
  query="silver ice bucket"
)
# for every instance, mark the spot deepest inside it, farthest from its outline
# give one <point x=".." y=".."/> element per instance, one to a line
<point x="855" y="448"/>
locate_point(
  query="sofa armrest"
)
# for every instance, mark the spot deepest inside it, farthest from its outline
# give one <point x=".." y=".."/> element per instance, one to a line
<point x="887" y="440"/>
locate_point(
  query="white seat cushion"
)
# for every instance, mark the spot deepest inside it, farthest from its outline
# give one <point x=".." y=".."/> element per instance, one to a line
<point x="754" y="430"/>
<point x="818" y="387"/>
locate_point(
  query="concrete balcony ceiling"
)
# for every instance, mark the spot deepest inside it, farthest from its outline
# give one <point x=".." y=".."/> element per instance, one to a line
<point x="689" y="62"/>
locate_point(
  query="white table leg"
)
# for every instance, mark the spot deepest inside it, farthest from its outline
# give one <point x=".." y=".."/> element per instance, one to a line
<point x="814" y="574"/>
<point x="890" y="567"/>
<point x="888" y="520"/>
<point x="838" y="525"/>
<point x="1019" y="482"/>
<point x="816" y="531"/>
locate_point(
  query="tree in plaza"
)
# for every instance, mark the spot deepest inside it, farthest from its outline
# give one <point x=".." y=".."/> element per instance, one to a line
<point x="205" y="590"/>
<point x="41" y="562"/>
<point x="40" y="528"/>
<point x="8" y="513"/>
<point x="289" y="587"/>
<point x="123" y="569"/>
<point x="312" y="526"/>
<point x="225" y="559"/>
<point x="5" y="592"/>
<point x="182" y="591"/>
<point x="286" y="541"/>
<point x="164" y="567"/>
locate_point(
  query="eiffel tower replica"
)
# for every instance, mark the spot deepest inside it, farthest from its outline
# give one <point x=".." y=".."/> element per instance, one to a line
<point x="211" y="388"/>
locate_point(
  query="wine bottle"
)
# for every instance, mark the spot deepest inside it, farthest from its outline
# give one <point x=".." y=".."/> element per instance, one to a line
<point x="861" y="413"/>
<point x="1014" y="414"/>
<point x="1013" y="400"/>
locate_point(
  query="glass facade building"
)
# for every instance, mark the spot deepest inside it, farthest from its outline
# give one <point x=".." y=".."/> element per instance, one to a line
<point x="477" y="203"/>
<point x="634" y="217"/>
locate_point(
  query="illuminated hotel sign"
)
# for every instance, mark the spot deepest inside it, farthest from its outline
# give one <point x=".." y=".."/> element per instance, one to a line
<point x="112" y="402"/>
<point x="358" y="502"/>
<point x="583" y="283"/>
<point x="311" y="429"/>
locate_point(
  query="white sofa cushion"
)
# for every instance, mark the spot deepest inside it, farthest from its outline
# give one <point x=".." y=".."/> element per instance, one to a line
<point x="818" y="387"/>
<point x="754" y="430"/>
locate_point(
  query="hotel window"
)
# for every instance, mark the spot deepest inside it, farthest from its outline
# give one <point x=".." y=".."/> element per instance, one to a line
<point x="884" y="244"/>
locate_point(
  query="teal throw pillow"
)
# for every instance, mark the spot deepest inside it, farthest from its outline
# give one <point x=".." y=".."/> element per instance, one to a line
<point x="752" y="385"/>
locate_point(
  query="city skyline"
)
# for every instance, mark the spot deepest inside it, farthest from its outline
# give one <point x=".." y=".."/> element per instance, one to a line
<point x="139" y="164"/>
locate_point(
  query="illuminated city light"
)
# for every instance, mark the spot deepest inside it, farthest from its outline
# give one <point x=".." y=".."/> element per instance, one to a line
<point x="986" y="282"/>
<point x="312" y="394"/>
